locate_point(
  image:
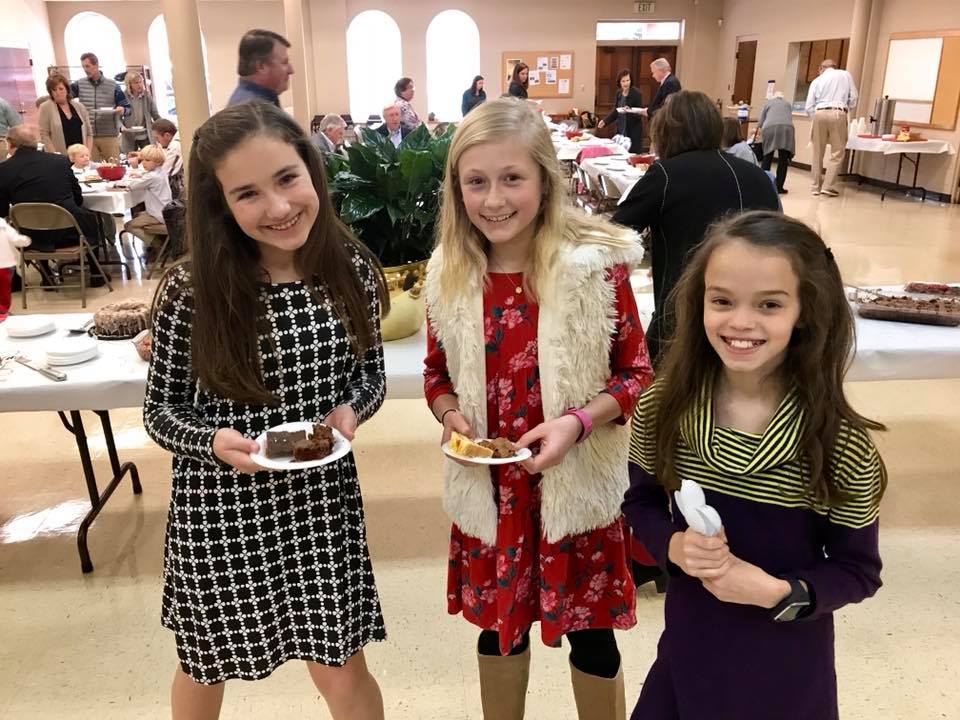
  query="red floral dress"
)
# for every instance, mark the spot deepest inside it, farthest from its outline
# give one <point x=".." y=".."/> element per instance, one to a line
<point x="582" y="581"/>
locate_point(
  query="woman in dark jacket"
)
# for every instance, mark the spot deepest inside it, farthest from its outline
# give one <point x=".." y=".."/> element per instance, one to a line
<point x="520" y="81"/>
<point x="473" y="96"/>
<point x="705" y="184"/>
<point x="626" y="111"/>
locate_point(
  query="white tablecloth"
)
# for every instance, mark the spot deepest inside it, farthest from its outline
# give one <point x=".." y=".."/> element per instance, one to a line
<point x="616" y="170"/>
<point x="926" y="147"/>
<point x="568" y="150"/>
<point x="117" y="377"/>
<point x="112" y="202"/>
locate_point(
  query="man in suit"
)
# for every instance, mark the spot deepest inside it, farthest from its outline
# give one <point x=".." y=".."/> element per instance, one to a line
<point x="329" y="137"/>
<point x="31" y="175"/>
<point x="391" y="127"/>
<point x="669" y="84"/>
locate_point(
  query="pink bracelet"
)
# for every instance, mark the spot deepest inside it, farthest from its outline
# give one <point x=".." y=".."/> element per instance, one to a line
<point x="585" y="422"/>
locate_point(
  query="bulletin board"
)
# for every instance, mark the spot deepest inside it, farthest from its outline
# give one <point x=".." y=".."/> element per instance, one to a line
<point x="545" y="66"/>
<point x="923" y="75"/>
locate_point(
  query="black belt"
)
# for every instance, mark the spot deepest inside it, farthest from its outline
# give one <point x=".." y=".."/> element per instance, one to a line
<point x="832" y="108"/>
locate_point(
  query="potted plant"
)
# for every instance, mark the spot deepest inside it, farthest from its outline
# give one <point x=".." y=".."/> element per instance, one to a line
<point x="390" y="196"/>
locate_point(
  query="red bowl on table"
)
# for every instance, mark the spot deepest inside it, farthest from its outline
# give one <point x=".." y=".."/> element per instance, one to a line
<point x="111" y="172"/>
<point x="571" y="134"/>
<point x="642" y="159"/>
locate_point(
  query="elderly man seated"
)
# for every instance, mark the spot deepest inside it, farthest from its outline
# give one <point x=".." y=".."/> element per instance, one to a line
<point x="391" y="127"/>
<point x="31" y="175"/>
<point x="329" y="138"/>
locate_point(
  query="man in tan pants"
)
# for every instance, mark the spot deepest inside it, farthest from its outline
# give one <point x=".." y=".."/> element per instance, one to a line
<point x="830" y="97"/>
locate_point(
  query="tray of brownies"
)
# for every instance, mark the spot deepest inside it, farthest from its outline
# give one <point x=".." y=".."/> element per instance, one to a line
<point x="924" y="303"/>
<point x="299" y="445"/>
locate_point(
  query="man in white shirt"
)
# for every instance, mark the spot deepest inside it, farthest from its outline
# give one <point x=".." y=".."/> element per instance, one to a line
<point x="830" y="97"/>
<point x="330" y="135"/>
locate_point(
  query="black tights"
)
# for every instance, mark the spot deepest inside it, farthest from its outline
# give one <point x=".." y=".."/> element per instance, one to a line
<point x="783" y="162"/>
<point x="593" y="652"/>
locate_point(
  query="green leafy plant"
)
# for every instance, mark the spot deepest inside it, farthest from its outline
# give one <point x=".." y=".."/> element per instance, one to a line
<point x="390" y="195"/>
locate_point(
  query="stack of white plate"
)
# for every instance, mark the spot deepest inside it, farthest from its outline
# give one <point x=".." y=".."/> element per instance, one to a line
<point x="72" y="350"/>
<point x="26" y="326"/>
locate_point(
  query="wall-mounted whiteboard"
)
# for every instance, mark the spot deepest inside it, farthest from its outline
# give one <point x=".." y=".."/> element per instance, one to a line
<point x="912" y="68"/>
<point x="913" y="112"/>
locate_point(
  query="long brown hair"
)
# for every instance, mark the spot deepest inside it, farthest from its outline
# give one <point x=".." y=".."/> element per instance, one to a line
<point x="687" y="121"/>
<point x="816" y="360"/>
<point x="519" y="68"/>
<point x="224" y="271"/>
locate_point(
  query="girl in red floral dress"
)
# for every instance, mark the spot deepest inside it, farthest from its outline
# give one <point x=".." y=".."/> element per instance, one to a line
<point x="534" y="336"/>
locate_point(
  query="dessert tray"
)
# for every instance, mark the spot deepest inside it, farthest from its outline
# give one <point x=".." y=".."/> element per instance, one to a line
<point x="913" y="308"/>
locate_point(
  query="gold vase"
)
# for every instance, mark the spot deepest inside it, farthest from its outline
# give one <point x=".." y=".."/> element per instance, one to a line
<point x="407" y="307"/>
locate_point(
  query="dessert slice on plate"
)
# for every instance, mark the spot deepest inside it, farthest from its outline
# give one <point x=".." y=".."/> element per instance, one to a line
<point x="468" y="448"/>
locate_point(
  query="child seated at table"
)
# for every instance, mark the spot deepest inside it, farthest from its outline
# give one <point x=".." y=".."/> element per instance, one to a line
<point x="79" y="155"/>
<point x="152" y="189"/>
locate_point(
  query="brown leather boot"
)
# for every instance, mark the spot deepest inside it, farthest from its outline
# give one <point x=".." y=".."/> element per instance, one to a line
<point x="503" y="685"/>
<point x="599" y="698"/>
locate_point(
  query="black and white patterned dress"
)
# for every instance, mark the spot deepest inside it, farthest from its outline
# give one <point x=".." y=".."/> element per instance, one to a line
<point x="260" y="569"/>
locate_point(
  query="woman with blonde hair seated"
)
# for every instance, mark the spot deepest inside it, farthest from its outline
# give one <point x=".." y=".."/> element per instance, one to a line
<point x="152" y="189"/>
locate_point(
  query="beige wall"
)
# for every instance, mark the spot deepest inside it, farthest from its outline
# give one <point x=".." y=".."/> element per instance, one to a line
<point x="776" y="23"/>
<point x="535" y="25"/>
<point x="24" y="24"/>
<point x="222" y="23"/>
<point x="937" y="172"/>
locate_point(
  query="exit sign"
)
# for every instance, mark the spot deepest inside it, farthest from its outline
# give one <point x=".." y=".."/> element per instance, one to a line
<point x="645" y="8"/>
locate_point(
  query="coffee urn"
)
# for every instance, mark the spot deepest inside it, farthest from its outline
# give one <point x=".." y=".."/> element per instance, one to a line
<point x="882" y="117"/>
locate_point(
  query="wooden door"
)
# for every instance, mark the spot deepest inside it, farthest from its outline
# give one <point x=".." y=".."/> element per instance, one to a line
<point x="743" y="80"/>
<point x="643" y="80"/>
<point x="611" y="60"/>
<point x="16" y="82"/>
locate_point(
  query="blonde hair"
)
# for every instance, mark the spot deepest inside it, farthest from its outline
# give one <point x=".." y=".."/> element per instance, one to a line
<point x="75" y="150"/>
<point x="128" y="78"/>
<point x="153" y="153"/>
<point x="558" y="222"/>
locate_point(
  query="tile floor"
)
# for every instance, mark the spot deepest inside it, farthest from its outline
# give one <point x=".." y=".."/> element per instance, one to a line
<point x="91" y="646"/>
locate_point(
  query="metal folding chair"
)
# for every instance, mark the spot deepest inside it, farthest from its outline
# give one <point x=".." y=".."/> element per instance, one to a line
<point x="27" y="217"/>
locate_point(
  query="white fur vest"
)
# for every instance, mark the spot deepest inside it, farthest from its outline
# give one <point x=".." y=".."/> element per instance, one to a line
<point x="577" y="321"/>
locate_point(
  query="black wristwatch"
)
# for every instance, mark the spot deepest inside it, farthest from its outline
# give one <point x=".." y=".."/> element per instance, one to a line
<point x="793" y="605"/>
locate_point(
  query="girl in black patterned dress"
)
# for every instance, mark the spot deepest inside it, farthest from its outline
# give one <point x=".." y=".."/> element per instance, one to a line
<point x="274" y="319"/>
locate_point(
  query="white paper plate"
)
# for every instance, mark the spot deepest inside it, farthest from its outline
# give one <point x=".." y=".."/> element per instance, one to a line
<point x="521" y="455"/>
<point x="75" y="358"/>
<point x="70" y="346"/>
<point x="26" y="326"/>
<point x="341" y="446"/>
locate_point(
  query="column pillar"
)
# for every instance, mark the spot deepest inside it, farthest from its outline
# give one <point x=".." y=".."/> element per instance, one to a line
<point x="296" y="19"/>
<point x="858" y="40"/>
<point x="189" y="74"/>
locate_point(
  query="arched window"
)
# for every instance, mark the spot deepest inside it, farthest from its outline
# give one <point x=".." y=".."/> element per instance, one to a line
<point x="453" y="59"/>
<point x="162" y="68"/>
<point x="373" y="63"/>
<point x="96" y="33"/>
